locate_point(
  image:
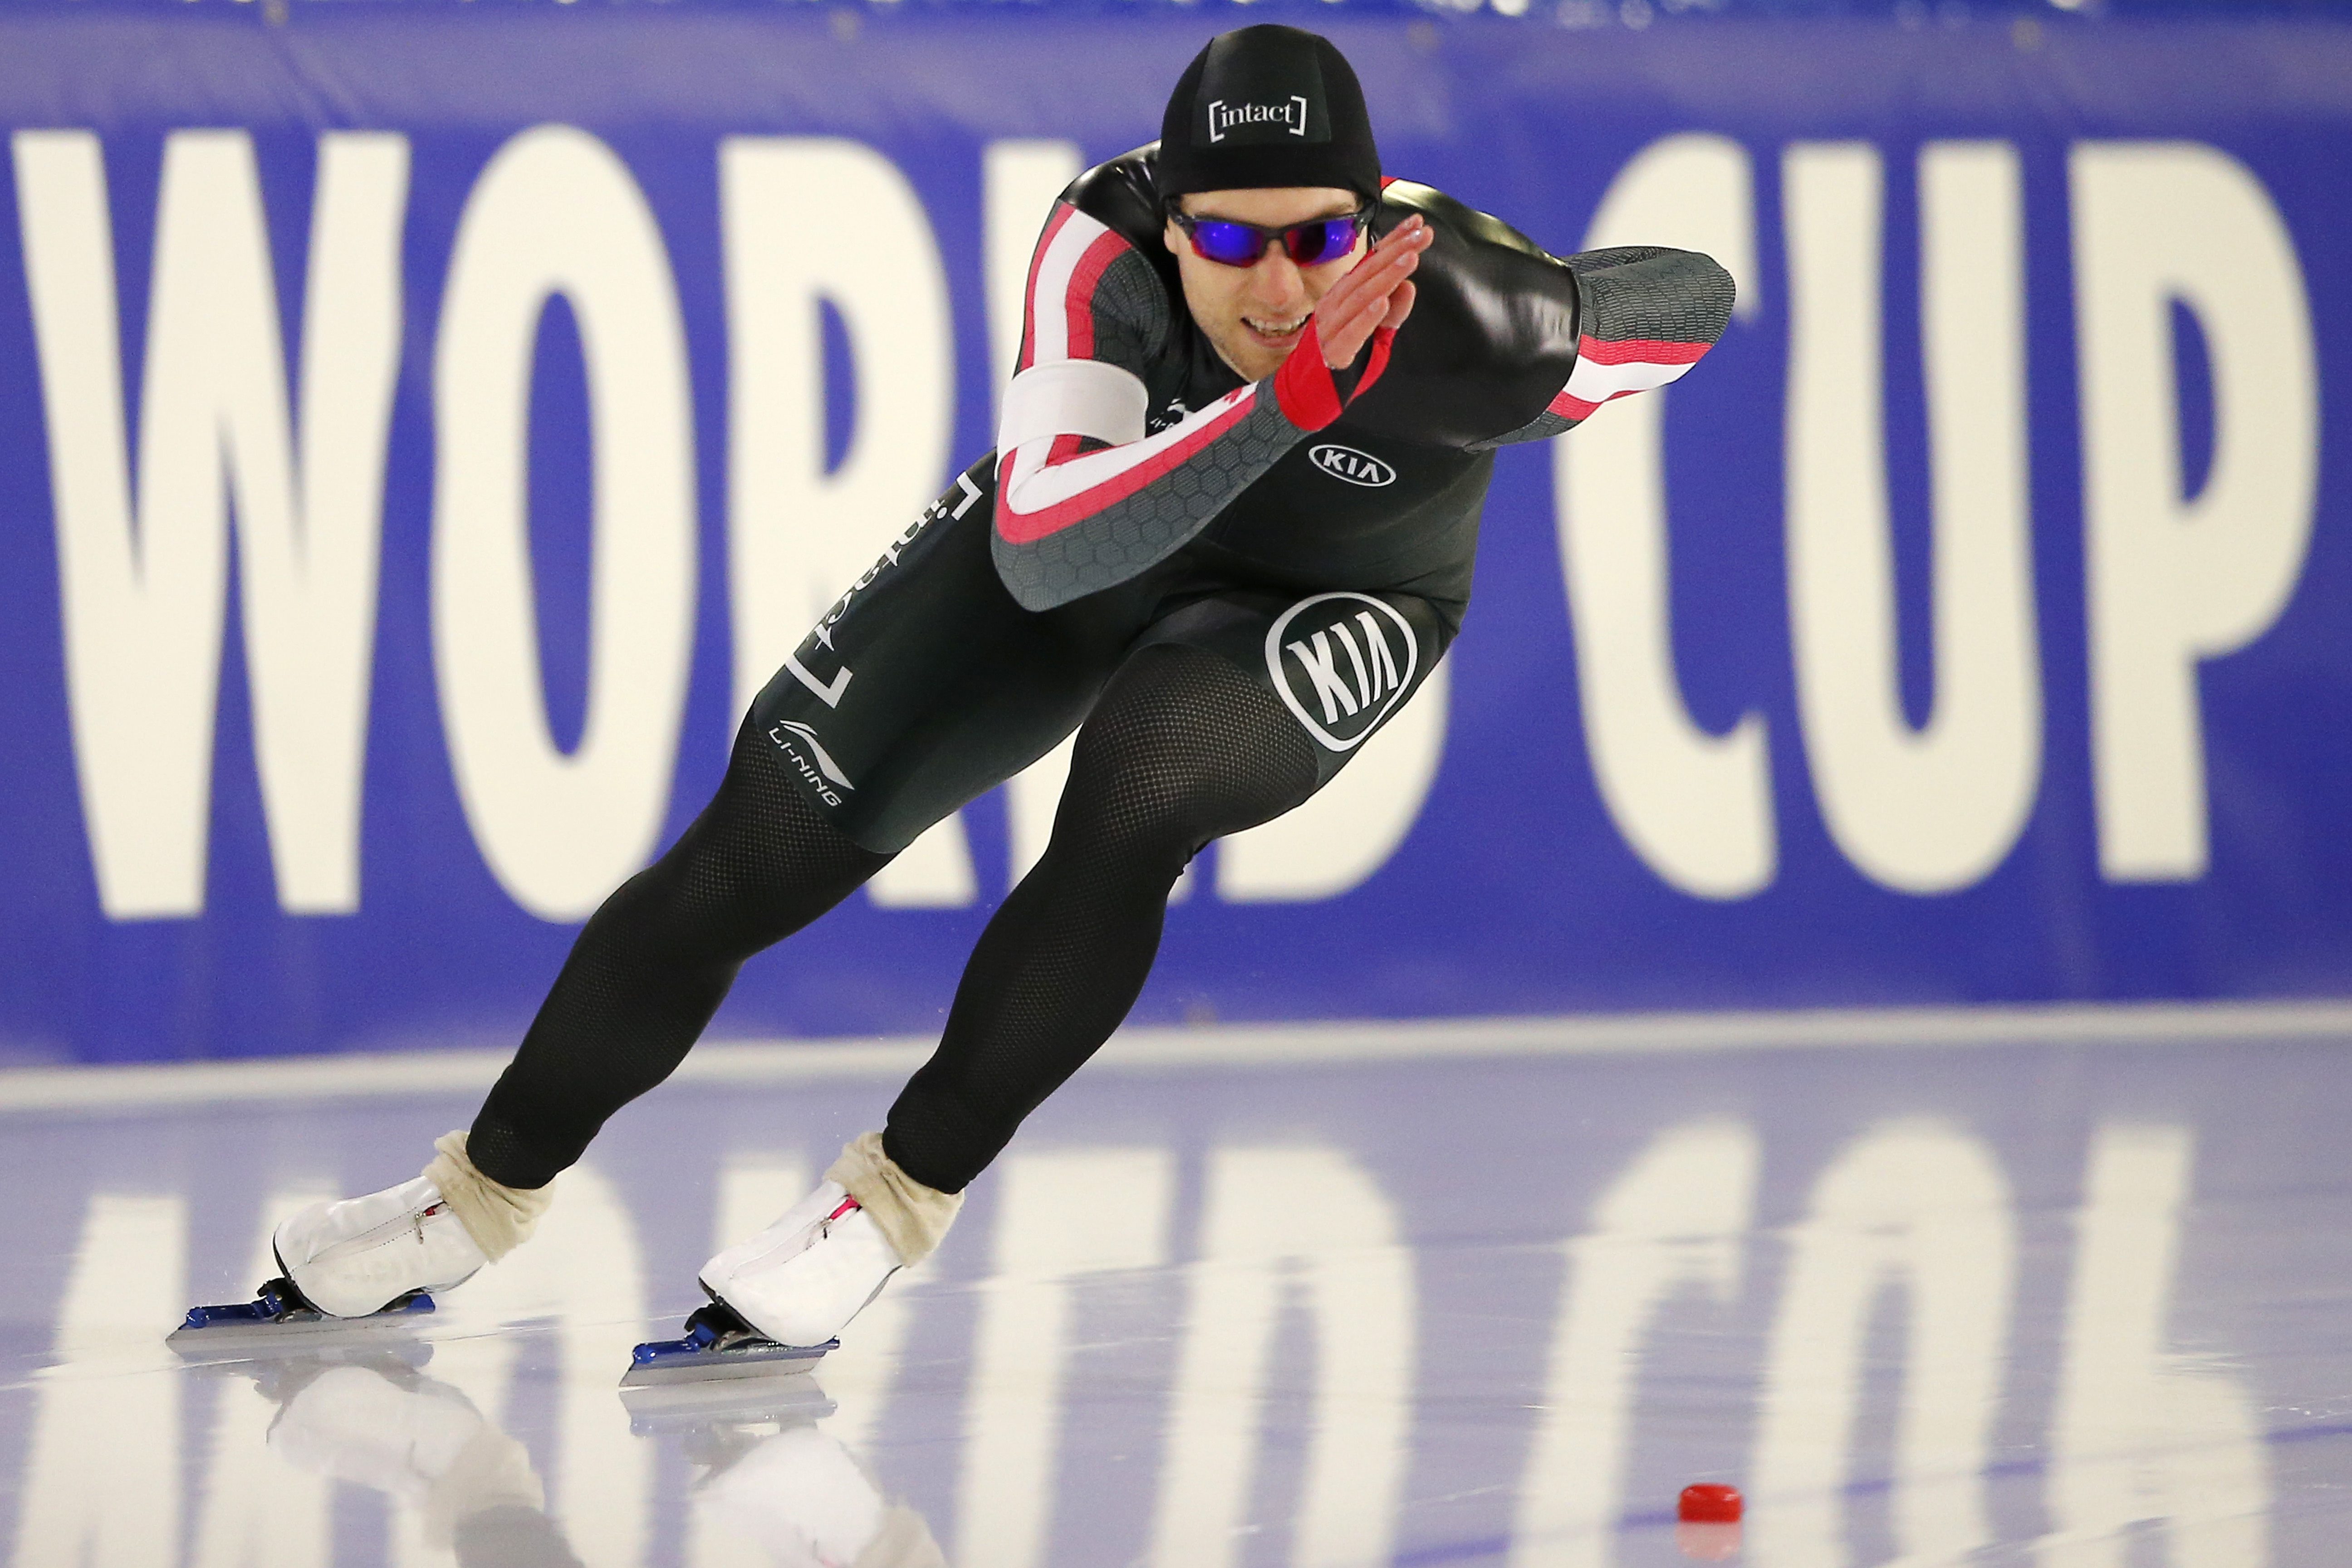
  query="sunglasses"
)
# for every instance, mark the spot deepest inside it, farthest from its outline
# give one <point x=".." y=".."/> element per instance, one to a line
<point x="1235" y="244"/>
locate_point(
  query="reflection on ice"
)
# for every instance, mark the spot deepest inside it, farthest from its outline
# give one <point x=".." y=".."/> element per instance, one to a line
<point x="2138" y="1435"/>
<point x="1060" y="1214"/>
<point x="1924" y="1209"/>
<point x="378" y="1423"/>
<point x="585" y="1274"/>
<point x="1707" y="1543"/>
<point x="781" y="1490"/>
<point x="107" y="1405"/>
<point x="1676" y="1220"/>
<point x="1318" y="1218"/>
<point x="1411" y="1314"/>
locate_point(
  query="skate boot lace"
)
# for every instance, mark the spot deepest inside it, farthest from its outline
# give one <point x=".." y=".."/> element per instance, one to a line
<point x="825" y="1225"/>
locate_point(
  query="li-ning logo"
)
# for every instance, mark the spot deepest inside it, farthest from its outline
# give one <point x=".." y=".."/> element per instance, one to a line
<point x="823" y="775"/>
<point x="1289" y="115"/>
<point x="1358" y="663"/>
<point x="1356" y="467"/>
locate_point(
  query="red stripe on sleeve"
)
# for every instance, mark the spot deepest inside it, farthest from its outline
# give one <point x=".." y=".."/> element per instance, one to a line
<point x="1029" y="294"/>
<point x="1568" y="407"/>
<point x="1080" y="299"/>
<point x="1640" y="351"/>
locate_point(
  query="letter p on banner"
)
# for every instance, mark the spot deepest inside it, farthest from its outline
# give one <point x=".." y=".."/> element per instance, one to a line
<point x="2174" y="579"/>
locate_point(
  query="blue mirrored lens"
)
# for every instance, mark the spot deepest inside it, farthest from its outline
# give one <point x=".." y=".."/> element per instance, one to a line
<point x="1307" y="244"/>
<point x="1313" y="243"/>
<point x="1234" y="244"/>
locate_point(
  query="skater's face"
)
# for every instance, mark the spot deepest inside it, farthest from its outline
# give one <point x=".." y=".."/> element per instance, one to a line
<point x="1254" y="314"/>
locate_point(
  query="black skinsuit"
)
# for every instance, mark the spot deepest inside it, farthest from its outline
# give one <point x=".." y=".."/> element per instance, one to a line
<point x="955" y="685"/>
<point x="1230" y="587"/>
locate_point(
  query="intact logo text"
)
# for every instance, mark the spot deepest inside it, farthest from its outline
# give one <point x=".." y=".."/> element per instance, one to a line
<point x="1290" y="115"/>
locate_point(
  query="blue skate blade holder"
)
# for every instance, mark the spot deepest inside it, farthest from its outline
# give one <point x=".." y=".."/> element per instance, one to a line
<point x="718" y="1344"/>
<point x="278" y="1317"/>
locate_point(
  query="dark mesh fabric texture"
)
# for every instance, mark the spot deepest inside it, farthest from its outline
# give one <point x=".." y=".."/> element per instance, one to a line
<point x="1183" y="748"/>
<point x="658" y="958"/>
<point x="1647" y="291"/>
<point x="1132" y="314"/>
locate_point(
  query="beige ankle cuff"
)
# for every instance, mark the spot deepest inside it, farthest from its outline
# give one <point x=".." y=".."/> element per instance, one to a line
<point x="913" y="1218"/>
<point x="499" y="1218"/>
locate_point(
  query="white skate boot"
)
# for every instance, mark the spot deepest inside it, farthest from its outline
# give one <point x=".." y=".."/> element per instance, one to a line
<point x="801" y="1280"/>
<point x="362" y="1255"/>
<point x="778" y="1300"/>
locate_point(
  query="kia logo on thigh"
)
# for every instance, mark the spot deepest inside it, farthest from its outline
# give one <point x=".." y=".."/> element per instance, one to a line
<point x="1341" y="662"/>
<point x="1356" y="467"/>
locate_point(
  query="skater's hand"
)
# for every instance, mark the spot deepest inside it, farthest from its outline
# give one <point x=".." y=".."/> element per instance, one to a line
<point x="1377" y="292"/>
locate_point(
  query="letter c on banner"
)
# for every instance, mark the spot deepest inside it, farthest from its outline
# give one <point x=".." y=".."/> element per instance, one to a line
<point x="557" y="213"/>
<point x="1697" y="807"/>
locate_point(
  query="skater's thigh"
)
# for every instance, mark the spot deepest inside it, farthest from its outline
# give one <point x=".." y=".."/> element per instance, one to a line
<point x="926" y="685"/>
<point x="1341" y="664"/>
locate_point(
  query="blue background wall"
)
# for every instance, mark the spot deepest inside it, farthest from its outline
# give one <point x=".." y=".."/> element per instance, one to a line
<point x="1516" y="888"/>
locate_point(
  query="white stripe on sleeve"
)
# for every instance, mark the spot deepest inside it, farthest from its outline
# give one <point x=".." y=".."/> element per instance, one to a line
<point x="1072" y="398"/>
<point x="1049" y="307"/>
<point x="1591" y="382"/>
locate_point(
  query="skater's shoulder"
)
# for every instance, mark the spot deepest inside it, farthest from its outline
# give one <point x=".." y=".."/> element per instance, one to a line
<point x="1453" y="219"/>
<point x="1487" y="295"/>
<point x="1123" y="194"/>
<point x="1489" y="302"/>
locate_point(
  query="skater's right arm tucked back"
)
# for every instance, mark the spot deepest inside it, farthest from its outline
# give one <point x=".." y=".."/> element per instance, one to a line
<point x="1077" y="506"/>
<point x="1085" y="499"/>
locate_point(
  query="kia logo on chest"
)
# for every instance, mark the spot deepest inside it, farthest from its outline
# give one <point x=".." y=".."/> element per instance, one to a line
<point x="1356" y="467"/>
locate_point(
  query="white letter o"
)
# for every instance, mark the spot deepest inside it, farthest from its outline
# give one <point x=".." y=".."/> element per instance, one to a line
<point x="557" y="213"/>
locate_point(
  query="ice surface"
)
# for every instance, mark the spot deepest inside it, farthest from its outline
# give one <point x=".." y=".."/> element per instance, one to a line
<point x="2065" y="1305"/>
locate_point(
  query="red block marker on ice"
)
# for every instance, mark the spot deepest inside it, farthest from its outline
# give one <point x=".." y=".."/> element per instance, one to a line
<point x="1710" y="1502"/>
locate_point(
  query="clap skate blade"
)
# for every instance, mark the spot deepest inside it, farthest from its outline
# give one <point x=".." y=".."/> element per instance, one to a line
<point x="718" y="1344"/>
<point x="703" y="1406"/>
<point x="279" y="1319"/>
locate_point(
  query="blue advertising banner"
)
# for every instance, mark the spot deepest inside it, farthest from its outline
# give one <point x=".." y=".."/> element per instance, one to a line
<point x="421" y="429"/>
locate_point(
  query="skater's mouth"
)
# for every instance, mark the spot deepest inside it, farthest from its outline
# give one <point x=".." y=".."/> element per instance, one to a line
<point x="1275" y="331"/>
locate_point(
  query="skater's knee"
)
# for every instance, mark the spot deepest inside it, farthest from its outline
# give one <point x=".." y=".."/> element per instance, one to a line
<point x="757" y="865"/>
<point x="1134" y="808"/>
<point x="1184" y="749"/>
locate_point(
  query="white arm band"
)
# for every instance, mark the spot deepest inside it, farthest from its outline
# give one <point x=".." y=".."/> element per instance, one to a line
<point x="1072" y="397"/>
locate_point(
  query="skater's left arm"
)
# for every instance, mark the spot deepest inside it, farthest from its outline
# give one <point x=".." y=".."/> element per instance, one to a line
<point x="1643" y="316"/>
